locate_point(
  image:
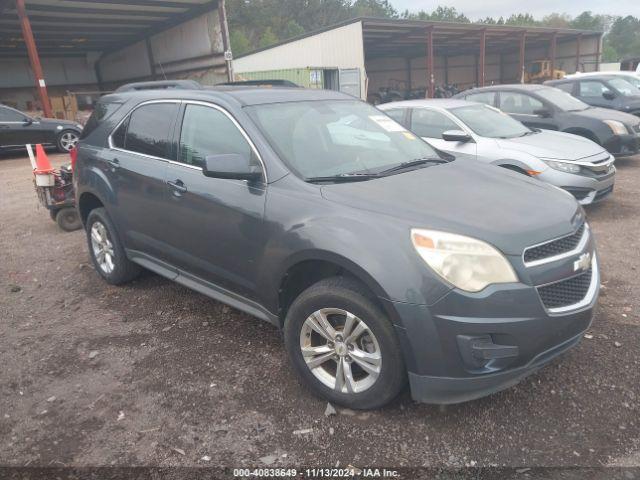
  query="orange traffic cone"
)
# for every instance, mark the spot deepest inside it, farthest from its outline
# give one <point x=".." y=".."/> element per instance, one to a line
<point x="43" y="171"/>
<point x="42" y="161"/>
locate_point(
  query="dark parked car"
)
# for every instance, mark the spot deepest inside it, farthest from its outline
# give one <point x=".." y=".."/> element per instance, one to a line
<point x="606" y="91"/>
<point x="379" y="259"/>
<point x="17" y="129"/>
<point x="541" y="106"/>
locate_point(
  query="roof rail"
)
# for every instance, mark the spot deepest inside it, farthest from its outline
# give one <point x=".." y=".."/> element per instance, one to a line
<point x="160" y="85"/>
<point x="261" y="83"/>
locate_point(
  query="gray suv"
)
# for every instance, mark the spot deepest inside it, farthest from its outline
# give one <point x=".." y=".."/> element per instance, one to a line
<point x="381" y="261"/>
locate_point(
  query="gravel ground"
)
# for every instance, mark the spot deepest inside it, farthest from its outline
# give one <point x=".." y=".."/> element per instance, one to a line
<point x="155" y="374"/>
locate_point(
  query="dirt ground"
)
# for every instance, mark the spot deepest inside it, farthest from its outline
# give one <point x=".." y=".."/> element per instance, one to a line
<point x="155" y="374"/>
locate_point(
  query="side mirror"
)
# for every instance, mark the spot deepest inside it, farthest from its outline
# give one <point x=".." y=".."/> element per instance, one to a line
<point x="231" y="166"/>
<point x="27" y="121"/>
<point x="456" y="136"/>
<point x="608" y="95"/>
<point x="542" y="112"/>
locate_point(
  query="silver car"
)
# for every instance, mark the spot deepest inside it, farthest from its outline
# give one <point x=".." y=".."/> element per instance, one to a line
<point x="470" y="129"/>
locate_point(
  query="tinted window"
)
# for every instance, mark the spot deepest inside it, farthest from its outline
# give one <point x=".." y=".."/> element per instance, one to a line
<point x="207" y="131"/>
<point x="397" y="114"/>
<point x="592" y="89"/>
<point x="565" y="87"/>
<point x="102" y="111"/>
<point x="9" y="115"/>
<point x="150" y="129"/>
<point x="488" y="98"/>
<point x="429" y="123"/>
<point x="117" y="137"/>
<point x="512" y="102"/>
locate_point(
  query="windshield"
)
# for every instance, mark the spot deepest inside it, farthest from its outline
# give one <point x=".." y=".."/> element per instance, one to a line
<point x="633" y="80"/>
<point x="337" y="137"/>
<point x="563" y="100"/>
<point x="624" y="86"/>
<point x="489" y="122"/>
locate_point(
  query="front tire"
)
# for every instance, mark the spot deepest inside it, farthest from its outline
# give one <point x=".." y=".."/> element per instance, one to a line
<point x="67" y="140"/>
<point x="106" y="251"/>
<point x="342" y="346"/>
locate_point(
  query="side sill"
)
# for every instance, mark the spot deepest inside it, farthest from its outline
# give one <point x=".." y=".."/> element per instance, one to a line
<point x="202" y="286"/>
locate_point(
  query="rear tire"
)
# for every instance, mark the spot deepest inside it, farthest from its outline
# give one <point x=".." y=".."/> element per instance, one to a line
<point x="106" y="250"/>
<point x="68" y="219"/>
<point x="67" y="140"/>
<point x="357" y="361"/>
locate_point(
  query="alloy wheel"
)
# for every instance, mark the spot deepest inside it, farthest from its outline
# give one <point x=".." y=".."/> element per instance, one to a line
<point x="102" y="247"/>
<point x="68" y="140"/>
<point x="340" y="350"/>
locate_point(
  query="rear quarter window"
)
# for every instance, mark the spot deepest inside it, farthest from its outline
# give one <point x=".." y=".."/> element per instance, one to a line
<point x="102" y="111"/>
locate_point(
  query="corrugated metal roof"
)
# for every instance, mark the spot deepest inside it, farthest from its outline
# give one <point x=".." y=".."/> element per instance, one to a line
<point x="76" y="27"/>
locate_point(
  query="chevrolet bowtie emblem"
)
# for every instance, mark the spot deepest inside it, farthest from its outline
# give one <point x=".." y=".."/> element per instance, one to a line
<point x="583" y="263"/>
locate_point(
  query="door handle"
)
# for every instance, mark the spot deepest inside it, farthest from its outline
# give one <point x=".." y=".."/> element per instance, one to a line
<point x="115" y="163"/>
<point x="178" y="186"/>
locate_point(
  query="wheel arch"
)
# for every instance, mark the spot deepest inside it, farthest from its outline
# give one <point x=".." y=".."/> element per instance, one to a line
<point x="88" y="201"/>
<point x="308" y="268"/>
<point x="583" y="132"/>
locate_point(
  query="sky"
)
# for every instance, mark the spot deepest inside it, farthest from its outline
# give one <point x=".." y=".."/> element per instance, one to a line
<point x="475" y="9"/>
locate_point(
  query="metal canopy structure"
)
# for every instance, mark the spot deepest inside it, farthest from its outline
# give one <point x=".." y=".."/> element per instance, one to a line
<point x="67" y="28"/>
<point x="408" y="38"/>
<point x="414" y="38"/>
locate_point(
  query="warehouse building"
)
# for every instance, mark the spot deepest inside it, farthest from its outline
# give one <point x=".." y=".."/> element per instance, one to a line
<point x="57" y="56"/>
<point x="364" y="55"/>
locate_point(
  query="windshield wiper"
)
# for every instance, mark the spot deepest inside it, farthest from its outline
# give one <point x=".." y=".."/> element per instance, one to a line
<point x="343" y="177"/>
<point x="413" y="163"/>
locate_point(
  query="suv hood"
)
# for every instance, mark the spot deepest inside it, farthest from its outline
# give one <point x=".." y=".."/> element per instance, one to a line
<point x="607" y="114"/>
<point x="554" y="145"/>
<point x="503" y="208"/>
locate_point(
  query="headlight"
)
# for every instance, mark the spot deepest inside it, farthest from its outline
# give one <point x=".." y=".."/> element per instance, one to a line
<point x="465" y="262"/>
<point x="618" y="128"/>
<point x="563" y="166"/>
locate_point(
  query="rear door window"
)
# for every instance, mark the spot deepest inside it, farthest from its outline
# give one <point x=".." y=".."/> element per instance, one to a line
<point x="519" y="103"/>
<point x="430" y="123"/>
<point x="150" y="130"/>
<point x="567" y="87"/>
<point x="398" y="114"/>
<point x="488" y="98"/>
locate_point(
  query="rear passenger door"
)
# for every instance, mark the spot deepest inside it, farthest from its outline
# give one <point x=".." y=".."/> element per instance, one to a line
<point x="523" y="107"/>
<point x="214" y="226"/>
<point x="141" y="147"/>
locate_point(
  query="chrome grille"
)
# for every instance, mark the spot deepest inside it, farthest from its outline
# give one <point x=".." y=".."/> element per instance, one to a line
<point x="566" y="292"/>
<point x="554" y="247"/>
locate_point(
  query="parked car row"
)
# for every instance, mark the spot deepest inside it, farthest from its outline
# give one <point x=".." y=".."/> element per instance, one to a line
<point x="383" y="259"/>
<point x="580" y="166"/>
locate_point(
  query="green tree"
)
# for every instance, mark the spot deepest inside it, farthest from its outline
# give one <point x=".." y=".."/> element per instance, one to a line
<point x="292" y="29"/>
<point x="440" y="14"/>
<point x="268" y="38"/>
<point x="239" y="42"/>
<point x="522" y="19"/>
<point x="374" y="8"/>
<point x="624" y="36"/>
<point x="556" y="20"/>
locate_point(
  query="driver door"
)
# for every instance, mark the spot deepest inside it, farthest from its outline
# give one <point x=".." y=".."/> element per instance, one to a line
<point x="214" y="226"/>
<point x="18" y="129"/>
<point x="431" y="124"/>
<point x="523" y="107"/>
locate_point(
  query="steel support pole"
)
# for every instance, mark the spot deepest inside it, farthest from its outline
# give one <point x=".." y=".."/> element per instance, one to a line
<point x="226" y="43"/>
<point x="598" y="52"/>
<point x="34" y="58"/>
<point x="578" y="42"/>
<point x="481" y="64"/>
<point x="431" y="87"/>
<point x="552" y="53"/>
<point x="523" y="44"/>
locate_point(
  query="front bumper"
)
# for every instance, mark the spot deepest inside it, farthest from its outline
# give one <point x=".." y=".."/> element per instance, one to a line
<point x="623" y="145"/>
<point x="587" y="189"/>
<point x="467" y="346"/>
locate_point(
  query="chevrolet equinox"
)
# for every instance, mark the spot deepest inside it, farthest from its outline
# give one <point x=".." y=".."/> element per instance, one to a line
<point x="382" y="261"/>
